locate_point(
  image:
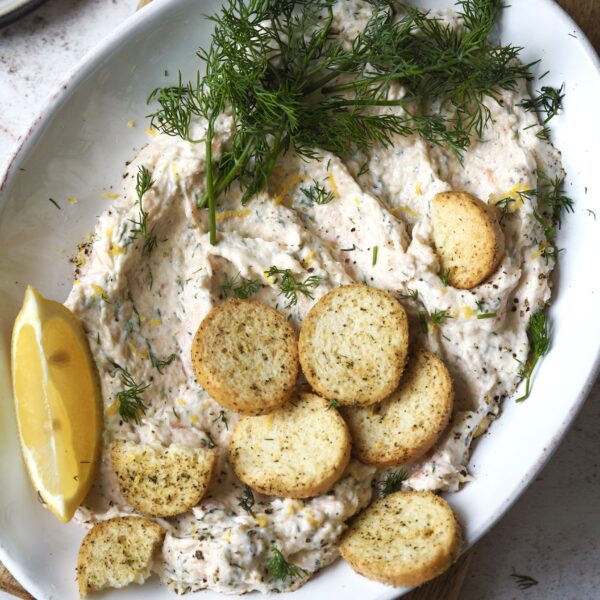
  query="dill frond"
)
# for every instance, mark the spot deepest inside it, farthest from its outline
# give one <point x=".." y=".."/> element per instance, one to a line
<point x="240" y="288"/>
<point x="539" y="340"/>
<point x="317" y="194"/>
<point x="393" y="481"/>
<point x="131" y="402"/>
<point x="279" y="568"/>
<point x="281" y="70"/>
<point x="290" y="287"/>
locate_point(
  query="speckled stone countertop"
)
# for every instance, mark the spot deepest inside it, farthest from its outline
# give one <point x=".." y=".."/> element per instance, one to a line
<point x="551" y="534"/>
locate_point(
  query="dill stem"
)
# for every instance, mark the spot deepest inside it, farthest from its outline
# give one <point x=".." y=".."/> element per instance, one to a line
<point x="319" y="83"/>
<point x="222" y="185"/>
<point x="528" y="381"/>
<point x="352" y="85"/>
<point x="354" y="102"/>
<point x="210" y="195"/>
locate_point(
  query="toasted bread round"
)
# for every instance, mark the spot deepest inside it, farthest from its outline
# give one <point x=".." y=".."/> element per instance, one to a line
<point x="353" y="345"/>
<point x="117" y="552"/>
<point x="161" y="482"/>
<point x="245" y="355"/>
<point x="468" y="238"/>
<point x="408" y="423"/>
<point x="405" y="538"/>
<point x="297" y="452"/>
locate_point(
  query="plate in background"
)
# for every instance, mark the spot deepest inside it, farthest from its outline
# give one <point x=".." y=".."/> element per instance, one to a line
<point x="78" y="147"/>
<point x="11" y="10"/>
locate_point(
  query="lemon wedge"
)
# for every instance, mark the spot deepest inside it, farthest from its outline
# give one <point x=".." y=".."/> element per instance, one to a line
<point x="58" y="402"/>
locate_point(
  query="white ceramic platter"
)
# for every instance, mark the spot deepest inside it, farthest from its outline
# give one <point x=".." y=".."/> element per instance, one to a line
<point x="78" y="147"/>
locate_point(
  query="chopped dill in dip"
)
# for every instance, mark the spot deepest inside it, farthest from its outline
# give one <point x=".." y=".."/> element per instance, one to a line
<point x="221" y="204"/>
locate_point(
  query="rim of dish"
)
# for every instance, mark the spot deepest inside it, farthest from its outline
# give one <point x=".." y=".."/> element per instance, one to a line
<point x="20" y="10"/>
<point x="69" y="84"/>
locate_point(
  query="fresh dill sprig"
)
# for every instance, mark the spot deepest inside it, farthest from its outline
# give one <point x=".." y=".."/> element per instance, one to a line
<point x="290" y="286"/>
<point x="247" y="501"/>
<point x="439" y="317"/>
<point x="279" y="568"/>
<point x="317" y="194"/>
<point x="149" y="243"/>
<point x="412" y="295"/>
<point x="505" y="204"/>
<point x="334" y="404"/>
<point x="524" y="582"/>
<point x="364" y="169"/>
<point x="143" y="181"/>
<point x="160" y="363"/>
<point x="539" y="340"/>
<point x="543" y="134"/>
<point x="143" y="184"/>
<point x="131" y="402"/>
<point x="444" y="276"/>
<point x="436" y="319"/>
<point x="223" y="418"/>
<point x="281" y="70"/>
<point x="393" y="481"/>
<point x="549" y="229"/>
<point x="239" y="287"/>
<point x="551" y="193"/>
<point x="548" y="101"/>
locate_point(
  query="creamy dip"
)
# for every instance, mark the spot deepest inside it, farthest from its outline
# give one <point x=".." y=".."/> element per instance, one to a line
<point x="139" y="308"/>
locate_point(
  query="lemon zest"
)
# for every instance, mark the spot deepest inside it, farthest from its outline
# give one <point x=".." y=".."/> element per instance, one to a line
<point x="333" y="184"/>
<point x="98" y="290"/>
<point x="113" y="408"/>
<point x="514" y="193"/>
<point x="406" y="210"/>
<point x="141" y="352"/>
<point x="116" y="250"/>
<point x="310" y="518"/>
<point x="230" y="214"/>
<point x="280" y="197"/>
<point x="468" y="311"/>
<point x="308" y="259"/>
<point x="262" y="520"/>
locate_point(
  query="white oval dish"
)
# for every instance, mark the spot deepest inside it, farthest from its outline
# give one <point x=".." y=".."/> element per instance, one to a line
<point x="77" y="149"/>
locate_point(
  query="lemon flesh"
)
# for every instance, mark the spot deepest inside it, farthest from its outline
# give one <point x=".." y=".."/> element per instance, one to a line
<point x="58" y="402"/>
